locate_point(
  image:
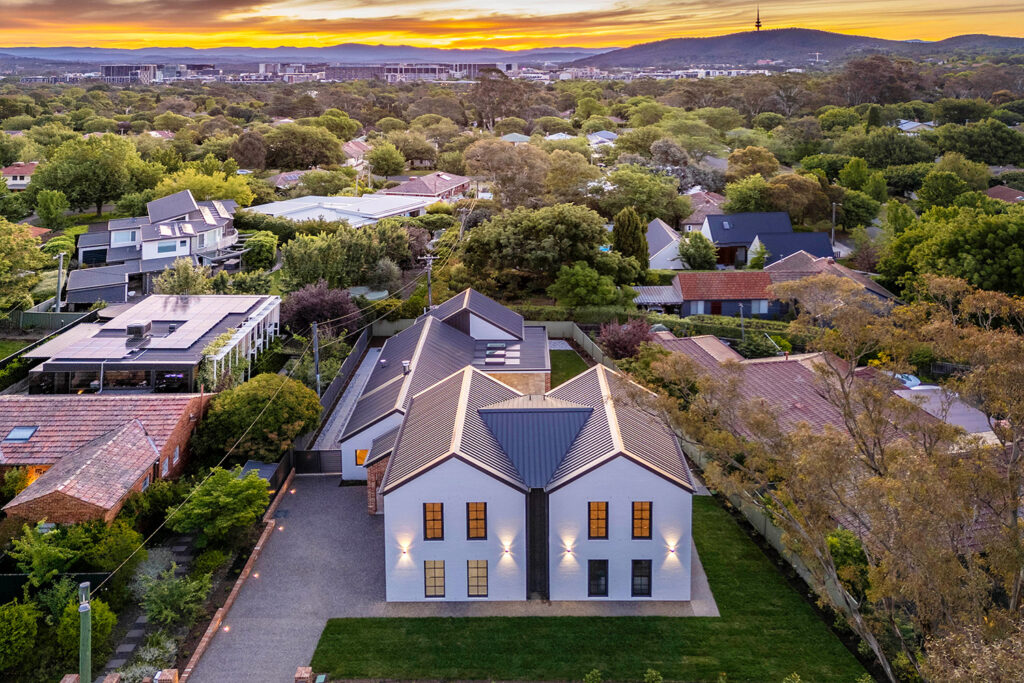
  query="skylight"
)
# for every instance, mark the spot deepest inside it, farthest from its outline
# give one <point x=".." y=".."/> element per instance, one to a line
<point x="20" y="434"/>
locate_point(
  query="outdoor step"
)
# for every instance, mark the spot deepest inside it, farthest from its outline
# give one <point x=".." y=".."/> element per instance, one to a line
<point x="116" y="663"/>
<point x="135" y="633"/>
<point x="126" y="648"/>
<point x="179" y="548"/>
<point x="143" y="619"/>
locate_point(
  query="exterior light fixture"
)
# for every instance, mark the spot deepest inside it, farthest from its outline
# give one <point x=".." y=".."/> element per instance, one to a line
<point x="508" y="549"/>
<point x="281" y="527"/>
<point x="672" y="549"/>
<point x="226" y="628"/>
<point x="405" y="551"/>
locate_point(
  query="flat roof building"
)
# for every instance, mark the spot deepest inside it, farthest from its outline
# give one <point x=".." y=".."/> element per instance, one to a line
<point x="358" y="211"/>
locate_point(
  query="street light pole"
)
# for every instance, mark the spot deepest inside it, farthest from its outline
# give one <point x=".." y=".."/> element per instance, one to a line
<point x="60" y="277"/>
<point x="834" y="205"/>
<point x="84" y="633"/>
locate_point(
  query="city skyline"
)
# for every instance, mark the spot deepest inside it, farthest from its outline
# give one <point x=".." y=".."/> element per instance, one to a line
<point x="462" y="24"/>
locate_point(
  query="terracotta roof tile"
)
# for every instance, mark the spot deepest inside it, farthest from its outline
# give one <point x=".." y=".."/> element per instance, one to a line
<point x="724" y="285"/>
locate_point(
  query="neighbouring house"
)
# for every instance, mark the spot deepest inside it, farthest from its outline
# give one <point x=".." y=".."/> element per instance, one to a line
<point x="86" y="454"/>
<point x="286" y="180"/>
<point x="355" y="153"/>
<point x="358" y="211"/>
<point x="801" y="264"/>
<point x="662" y="246"/>
<point x="914" y="127"/>
<point x="1003" y="193"/>
<point x="157" y="345"/>
<point x="467" y="330"/>
<point x="727" y="292"/>
<point x="601" y="138"/>
<point x="573" y="494"/>
<point x="132" y="251"/>
<point x="704" y="204"/>
<point x="437" y="186"/>
<point x="779" y="245"/>
<point x="18" y="175"/>
<point x="559" y="136"/>
<point x="160" y="134"/>
<point x="516" y="138"/>
<point x="734" y="233"/>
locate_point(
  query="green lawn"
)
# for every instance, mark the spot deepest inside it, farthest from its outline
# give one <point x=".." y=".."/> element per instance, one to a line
<point x="564" y="366"/>
<point x="9" y="346"/>
<point x="766" y="632"/>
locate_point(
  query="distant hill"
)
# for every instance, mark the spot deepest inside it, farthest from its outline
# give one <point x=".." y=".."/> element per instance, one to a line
<point x="791" y="45"/>
<point x="348" y="53"/>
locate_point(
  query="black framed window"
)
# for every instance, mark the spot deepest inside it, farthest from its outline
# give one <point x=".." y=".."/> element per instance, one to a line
<point x="641" y="578"/>
<point x="597" y="578"/>
<point x="433" y="578"/>
<point x="476" y="573"/>
<point x="597" y="523"/>
<point x="433" y="521"/>
<point x="476" y="521"/>
<point x="642" y="519"/>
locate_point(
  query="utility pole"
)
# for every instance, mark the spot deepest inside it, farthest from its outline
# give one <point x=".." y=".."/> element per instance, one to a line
<point x="834" y="205"/>
<point x="430" y="267"/>
<point x="316" y="358"/>
<point x="743" y="329"/>
<point x="60" y="276"/>
<point x="84" y="633"/>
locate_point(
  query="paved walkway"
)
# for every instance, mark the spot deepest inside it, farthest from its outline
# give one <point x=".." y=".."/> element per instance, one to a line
<point x="331" y="433"/>
<point x="327" y="560"/>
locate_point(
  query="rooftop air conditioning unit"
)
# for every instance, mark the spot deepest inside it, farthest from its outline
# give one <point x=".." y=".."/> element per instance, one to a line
<point x="139" y="330"/>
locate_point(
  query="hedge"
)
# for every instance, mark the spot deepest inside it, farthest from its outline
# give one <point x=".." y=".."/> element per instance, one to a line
<point x="17" y="370"/>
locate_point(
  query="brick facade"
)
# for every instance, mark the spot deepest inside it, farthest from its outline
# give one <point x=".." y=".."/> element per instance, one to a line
<point x="525" y="382"/>
<point x="374" y="477"/>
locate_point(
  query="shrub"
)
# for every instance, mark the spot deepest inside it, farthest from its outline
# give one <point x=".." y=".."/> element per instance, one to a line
<point x="208" y="561"/>
<point x="158" y="561"/>
<point x="148" y="508"/>
<point x="103" y="621"/>
<point x="14" y="482"/>
<point x="623" y="341"/>
<point x="593" y="676"/>
<point x="652" y="676"/>
<point x="18" y="630"/>
<point x="222" y="506"/>
<point x="54" y="599"/>
<point x="262" y="250"/>
<point x="171" y="600"/>
<point x="756" y="345"/>
<point x="319" y="302"/>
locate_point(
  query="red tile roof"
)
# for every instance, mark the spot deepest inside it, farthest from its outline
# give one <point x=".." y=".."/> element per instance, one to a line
<point x="66" y="423"/>
<point x="704" y="204"/>
<point x="432" y="185"/>
<point x="724" y="285"/>
<point x="1006" y="194"/>
<point x="102" y="472"/>
<point x="801" y="264"/>
<point x="20" y="168"/>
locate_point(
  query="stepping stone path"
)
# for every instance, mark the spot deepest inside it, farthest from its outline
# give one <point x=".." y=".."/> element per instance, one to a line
<point x="181" y="550"/>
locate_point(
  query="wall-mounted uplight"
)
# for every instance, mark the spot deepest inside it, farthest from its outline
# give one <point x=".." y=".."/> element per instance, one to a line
<point x="405" y="551"/>
<point x="568" y="550"/>
<point x="508" y="549"/>
<point x="672" y="549"/>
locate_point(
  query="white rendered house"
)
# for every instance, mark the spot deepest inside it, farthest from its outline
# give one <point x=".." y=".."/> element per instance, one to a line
<point x="574" y="494"/>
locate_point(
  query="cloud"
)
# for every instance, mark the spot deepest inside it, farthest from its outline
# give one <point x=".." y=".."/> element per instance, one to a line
<point x="462" y="23"/>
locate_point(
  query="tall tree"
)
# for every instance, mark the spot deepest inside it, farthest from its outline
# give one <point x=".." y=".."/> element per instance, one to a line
<point x="629" y="236"/>
<point x="183" y="278"/>
<point x="20" y="258"/>
<point x="697" y="252"/>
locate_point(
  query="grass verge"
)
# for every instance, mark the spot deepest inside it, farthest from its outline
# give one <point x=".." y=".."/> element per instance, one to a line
<point x="766" y="632"/>
<point x="565" y="364"/>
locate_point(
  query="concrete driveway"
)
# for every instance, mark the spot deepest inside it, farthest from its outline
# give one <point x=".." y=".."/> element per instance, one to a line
<point x="327" y="561"/>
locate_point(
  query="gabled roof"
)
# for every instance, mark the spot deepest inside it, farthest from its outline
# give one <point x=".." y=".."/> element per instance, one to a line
<point x="66" y="423"/>
<point x="801" y="264"/>
<point x="431" y="185"/>
<point x="20" y="168"/>
<point x="355" y="148"/>
<point x="783" y="244"/>
<point x="659" y="236"/>
<point x="1006" y="193"/>
<point x="724" y="285"/>
<point x="171" y="206"/>
<point x="657" y="295"/>
<point x="740" y="229"/>
<point x="704" y="204"/>
<point x="515" y="137"/>
<point x="532" y="441"/>
<point x="382" y="446"/>
<point x="100" y="472"/>
<point x="707" y="350"/>
<point x="482" y="306"/>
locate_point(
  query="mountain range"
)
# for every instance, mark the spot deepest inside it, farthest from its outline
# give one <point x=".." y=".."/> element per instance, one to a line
<point x="790" y="45"/>
<point x="347" y="53"/>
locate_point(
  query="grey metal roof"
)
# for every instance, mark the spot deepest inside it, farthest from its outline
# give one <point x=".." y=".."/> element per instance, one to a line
<point x="529" y="355"/>
<point x="434" y="351"/>
<point x="657" y="295"/>
<point x="171" y="206"/>
<point x="93" y="239"/>
<point x="781" y="244"/>
<point x="129" y="253"/>
<point x="535" y="432"/>
<point x="382" y="446"/>
<point x="741" y="228"/>
<point x="659" y="236"/>
<point x="87" y="278"/>
<point x="484" y="307"/>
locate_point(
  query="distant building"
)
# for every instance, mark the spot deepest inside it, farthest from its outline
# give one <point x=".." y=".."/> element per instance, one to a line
<point x="355" y="153"/>
<point x="156" y="345"/>
<point x="18" y="175"/>
<point x="1003" y="193"/>
<point x="516" y="138"/>
<point x="914" y="127"/>
<point x="126" y="74"/>
<point x="703" y="204"/>
<point x="358" y="211"/>
<point x="402" y="72"/>
<point x="733" y="233"/>
<point x="438" y="186"/>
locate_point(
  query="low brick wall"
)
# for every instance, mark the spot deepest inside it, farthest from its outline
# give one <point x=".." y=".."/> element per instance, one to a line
<point x="222" y="613"/>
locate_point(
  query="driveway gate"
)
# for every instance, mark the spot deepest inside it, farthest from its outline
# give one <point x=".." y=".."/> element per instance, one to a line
<point x="318" y="462"/>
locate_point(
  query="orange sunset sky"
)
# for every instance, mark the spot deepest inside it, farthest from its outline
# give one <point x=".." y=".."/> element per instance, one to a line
<point x="471" y="23"/>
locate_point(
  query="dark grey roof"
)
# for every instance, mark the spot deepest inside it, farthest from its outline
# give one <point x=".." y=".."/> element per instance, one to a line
<point x="88" y="278"/>
<point x="535" y="432"/>
<point x="93" y="239"/>
<point x="659" y="236"/>
<point x="382" y="446"/>
<point x="484" y="307"/>
<point x="129" y="253"/>
<point x="781" y="244"/>
<point x="126" y="223"/>
<point x="529" y="355"/>
<point x="740" y="229"/>
<point x="434" y="350"/>
<point x="171" y="206"/>
<point x="653" y="295"/>
<point x="443" y="422"/>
